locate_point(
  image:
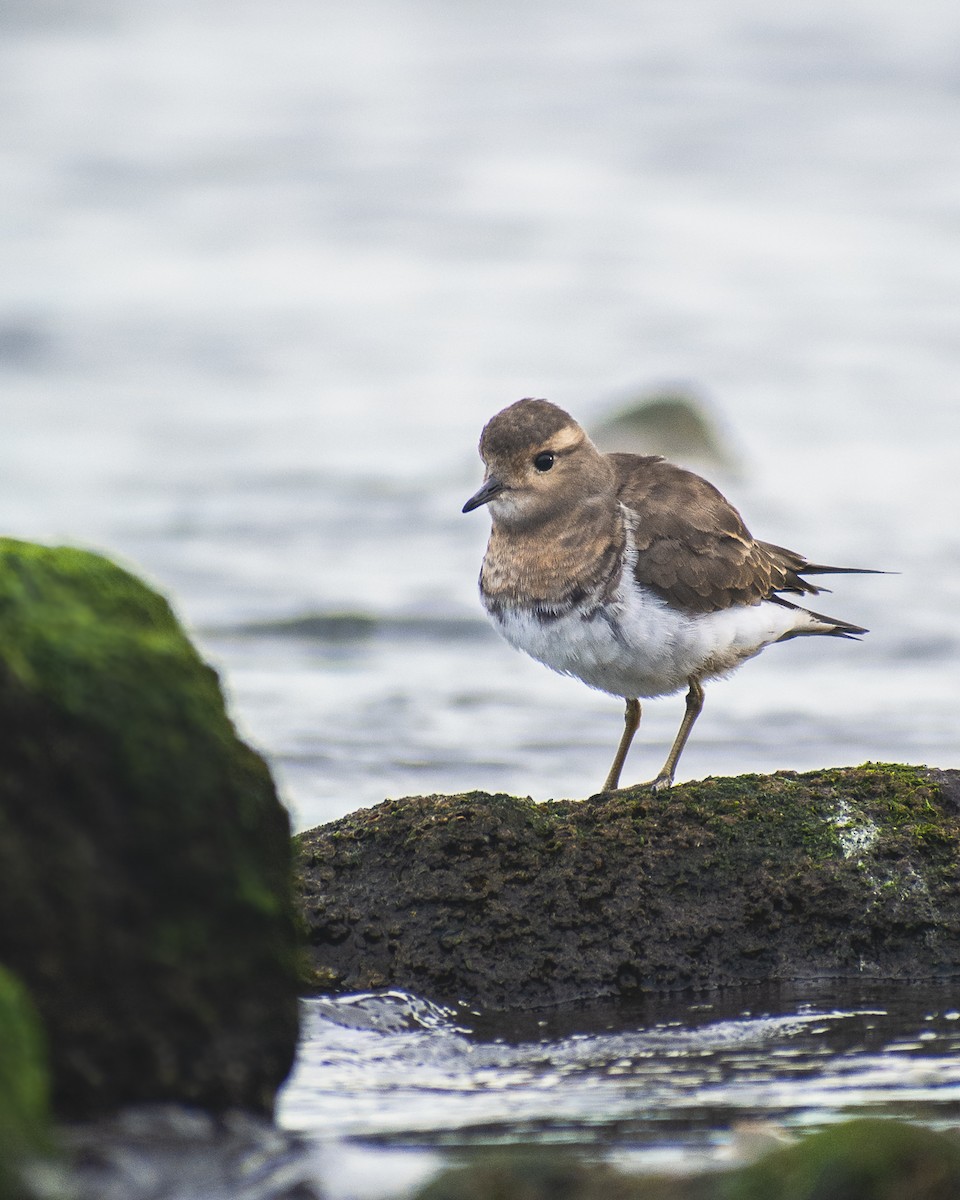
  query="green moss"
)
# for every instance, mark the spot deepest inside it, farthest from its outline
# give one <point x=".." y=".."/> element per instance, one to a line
<point x="867" y="1159"/>
<point x="805" y="810"/>
<point x="847" y="871"/>
<point x="144" y="856"/>
<point x="24" y="1082"/>
<point x="24" y="1087"/>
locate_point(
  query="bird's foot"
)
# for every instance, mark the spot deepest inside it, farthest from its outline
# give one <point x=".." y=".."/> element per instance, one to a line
<point x="660" y="784"/>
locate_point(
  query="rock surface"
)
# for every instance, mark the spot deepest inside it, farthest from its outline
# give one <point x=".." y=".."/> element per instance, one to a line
<point x="144" y="856"/>
<point x="505" y="903"/>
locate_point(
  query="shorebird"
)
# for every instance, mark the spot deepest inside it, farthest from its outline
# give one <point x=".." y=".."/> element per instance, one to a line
<point x="628" y="572"/>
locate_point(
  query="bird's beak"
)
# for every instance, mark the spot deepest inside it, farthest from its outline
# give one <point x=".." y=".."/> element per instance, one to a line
<point x="491" y="487"/>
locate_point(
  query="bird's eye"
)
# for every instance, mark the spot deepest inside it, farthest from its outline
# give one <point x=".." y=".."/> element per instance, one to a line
<point x="544" y="461"/>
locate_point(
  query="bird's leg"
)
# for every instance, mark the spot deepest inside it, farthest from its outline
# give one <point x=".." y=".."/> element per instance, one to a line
<point x="693" y="710"/>
<point x="631" y="719"/>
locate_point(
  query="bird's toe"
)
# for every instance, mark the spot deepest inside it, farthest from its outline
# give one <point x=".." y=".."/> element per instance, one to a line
<point x="660" y="784"/>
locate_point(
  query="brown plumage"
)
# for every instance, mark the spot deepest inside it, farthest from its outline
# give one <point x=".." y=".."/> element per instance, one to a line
<point x="626" y="571"/>
<point x="693" y="548"/>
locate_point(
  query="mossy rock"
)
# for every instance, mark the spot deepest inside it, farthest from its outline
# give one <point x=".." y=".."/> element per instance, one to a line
<point x="144" y="855"/>
<point x="24" y="1087"/>
<point x="505" y="903"/>
<point x="867" y="1159"/>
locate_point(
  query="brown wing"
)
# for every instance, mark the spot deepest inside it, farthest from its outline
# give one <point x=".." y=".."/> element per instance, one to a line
<point x="693" y="548"/>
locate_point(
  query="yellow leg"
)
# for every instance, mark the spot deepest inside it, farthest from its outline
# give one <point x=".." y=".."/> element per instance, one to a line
<point x="693" y="710"/>
<point x="631" y="719"/>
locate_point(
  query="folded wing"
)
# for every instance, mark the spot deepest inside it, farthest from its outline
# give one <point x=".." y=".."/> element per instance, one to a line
<point x="693" y="548"/>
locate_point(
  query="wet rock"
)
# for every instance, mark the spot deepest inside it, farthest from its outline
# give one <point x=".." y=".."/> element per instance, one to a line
<point x="504" y="903"/>
<point x="144" y="856"/>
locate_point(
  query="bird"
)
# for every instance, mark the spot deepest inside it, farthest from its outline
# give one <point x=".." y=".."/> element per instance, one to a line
<point x="628" y="572"/>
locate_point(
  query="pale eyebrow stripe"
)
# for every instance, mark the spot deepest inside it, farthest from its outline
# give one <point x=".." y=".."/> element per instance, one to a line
<point x="565" y="439"/>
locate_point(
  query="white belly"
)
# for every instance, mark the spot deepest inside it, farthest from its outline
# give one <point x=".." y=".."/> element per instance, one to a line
<point x="638" y="646"/>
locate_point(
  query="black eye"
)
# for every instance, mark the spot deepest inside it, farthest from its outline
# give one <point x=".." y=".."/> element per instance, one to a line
<point x="544" y="461"/>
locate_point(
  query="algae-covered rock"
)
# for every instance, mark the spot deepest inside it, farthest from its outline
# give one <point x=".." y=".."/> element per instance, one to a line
<point x="24" y="1088"/>
<point x="144" y="856"/>
<point x="867" y="1159"/>
<point x="506" y="903"/>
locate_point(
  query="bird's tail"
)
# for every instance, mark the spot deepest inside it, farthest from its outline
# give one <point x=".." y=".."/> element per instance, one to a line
<point x="819" y="624"/>
<point x="796" y="569"/>
<point x="823" y="569"/>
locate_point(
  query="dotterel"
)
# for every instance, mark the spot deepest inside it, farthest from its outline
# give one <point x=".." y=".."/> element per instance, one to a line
<point x="628" y="572"/>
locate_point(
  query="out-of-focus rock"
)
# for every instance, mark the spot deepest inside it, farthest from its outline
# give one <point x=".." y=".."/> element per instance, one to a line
<point x="675" y="423"/>
<point x="24" y="1090"/>
<point x="144" y="856"/>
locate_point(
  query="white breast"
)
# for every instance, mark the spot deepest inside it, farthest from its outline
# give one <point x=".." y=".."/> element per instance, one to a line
<point x="637" y="646"/>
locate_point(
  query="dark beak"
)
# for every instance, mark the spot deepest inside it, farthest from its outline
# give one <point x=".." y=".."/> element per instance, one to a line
<point x="492" y="487"/>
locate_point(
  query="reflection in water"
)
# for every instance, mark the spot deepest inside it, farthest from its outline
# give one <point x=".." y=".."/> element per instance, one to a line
<point x="658" y="1084"/>
<point x="388" y="1086"/>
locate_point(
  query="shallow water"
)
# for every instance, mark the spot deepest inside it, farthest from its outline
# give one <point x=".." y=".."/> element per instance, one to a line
<point x="389" y="1088"/>
<point x="389" y="1083"/>
<point x="268" y="268"/>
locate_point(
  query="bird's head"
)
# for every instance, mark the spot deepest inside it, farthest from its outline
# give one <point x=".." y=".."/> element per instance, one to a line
<point x="539" y="463"/>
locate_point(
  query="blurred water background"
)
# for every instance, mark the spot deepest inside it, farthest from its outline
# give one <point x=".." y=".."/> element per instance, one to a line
<point x="269" y="265"/>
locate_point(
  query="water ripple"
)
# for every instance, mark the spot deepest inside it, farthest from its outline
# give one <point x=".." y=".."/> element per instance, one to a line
<point x="394" y="1070"/>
